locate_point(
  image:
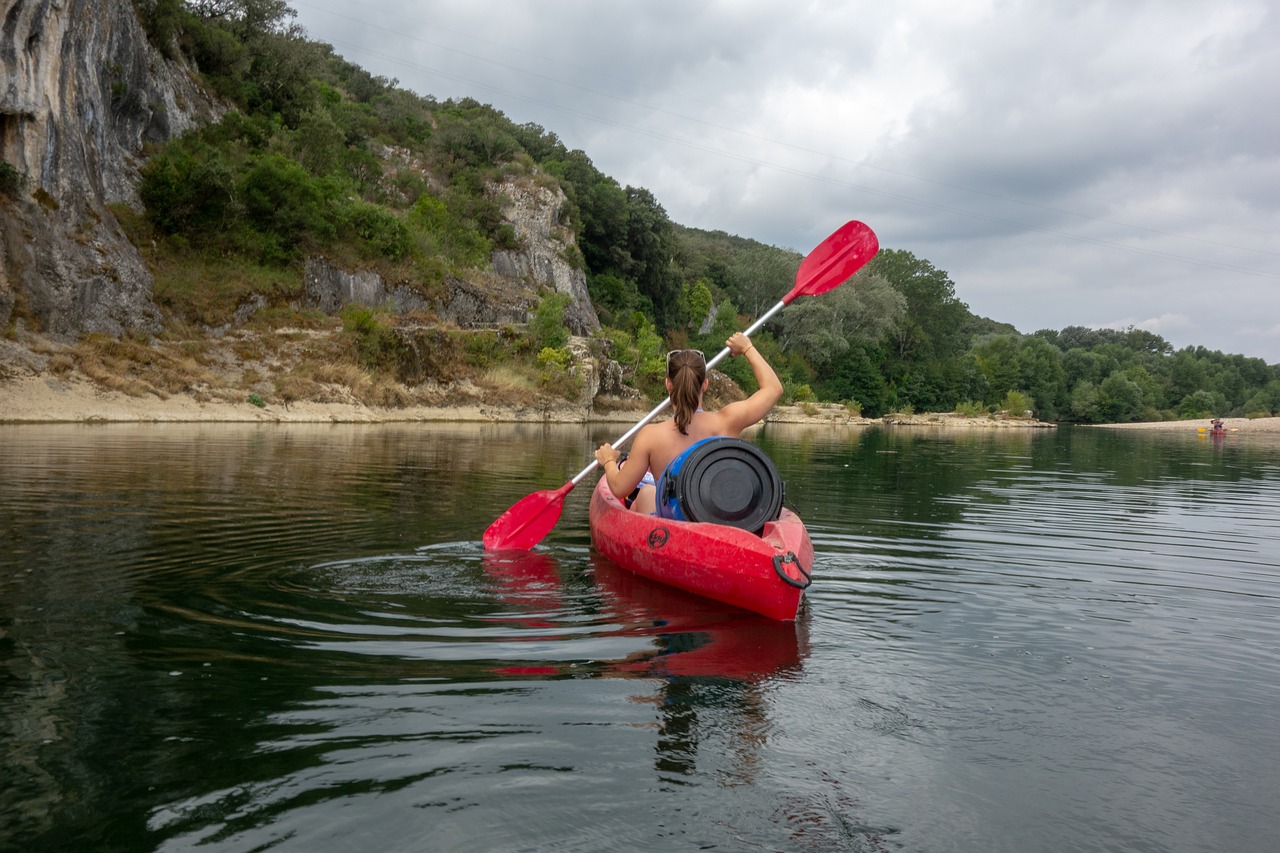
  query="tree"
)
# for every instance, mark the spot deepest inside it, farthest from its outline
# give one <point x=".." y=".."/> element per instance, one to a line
<point x="650" y="246"/>
<point x="1150" y="387"/>
<point x="1119" y="399"/>
<point x="762" y="275"/>
<point x="1084" y="402"/>
<point x="598" y="206"/>
<point x="247" y="18"/>
<point x="539" y="143"/>
<point x="1040" y="375"/>
<point x="189" y="188"/>
<point x="1202" y="404"/>
<point x="932" y="326"/>
<point x="284" y="204"/>
<point x="1140" y="340"/>
<point x="854" y="375"/>
<point x="997" y="358"/>
<point x="697" y="304"/>
<point x="1265" y="401"/>
<point x="471" y="136"/>
<point x="319" y="143"/>
<point x="1186" y="374"/>
<point x="924" y="352"/>
<point x="725" y="324"/>
<point x="163" y="20"/>
<point x="865" y="309"/>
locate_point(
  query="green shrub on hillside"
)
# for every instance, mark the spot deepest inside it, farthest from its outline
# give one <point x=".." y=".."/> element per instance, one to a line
<point x="189" y="188"/>
<point x="285" y="203"/>
<point x="380" y="231"/>
<point x="547" y="327"/>
<point x="446" y="235"/>
<point x="555" y="357"/>
<point x="376" y="342"/>
<point x="485" y="349"/>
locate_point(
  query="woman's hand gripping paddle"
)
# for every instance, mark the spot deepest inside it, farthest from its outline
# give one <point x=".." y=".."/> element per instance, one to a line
<point x="828" y="266"/>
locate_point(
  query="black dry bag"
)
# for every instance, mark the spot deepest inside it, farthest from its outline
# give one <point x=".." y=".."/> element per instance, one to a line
<point x="723" y="481"/>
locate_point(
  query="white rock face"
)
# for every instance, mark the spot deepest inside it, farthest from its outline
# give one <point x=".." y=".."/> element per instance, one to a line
<point x="82" y="90"/>
<point x="534" y="213"/>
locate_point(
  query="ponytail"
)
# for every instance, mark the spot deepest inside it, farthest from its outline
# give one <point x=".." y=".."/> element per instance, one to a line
<point x="687" y="374"/>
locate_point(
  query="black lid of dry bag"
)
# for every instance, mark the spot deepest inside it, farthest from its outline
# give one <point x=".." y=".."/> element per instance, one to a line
<point x="728" y="481"/>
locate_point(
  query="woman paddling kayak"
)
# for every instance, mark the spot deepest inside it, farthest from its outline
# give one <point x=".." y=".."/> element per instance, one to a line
<point x="656" y="445"/>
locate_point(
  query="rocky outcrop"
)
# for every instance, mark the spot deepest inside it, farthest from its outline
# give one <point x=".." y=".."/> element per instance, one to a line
<point x="604" y="384"/>
<point x="83" y="91"/>
<point x="328" y="288"/>
<point x="506" y="294"/>
<point x="535" y="211"/>
<point x="486" y="301"/>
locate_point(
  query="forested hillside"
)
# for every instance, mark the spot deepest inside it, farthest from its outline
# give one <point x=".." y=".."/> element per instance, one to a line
<point x="307" y="162"/>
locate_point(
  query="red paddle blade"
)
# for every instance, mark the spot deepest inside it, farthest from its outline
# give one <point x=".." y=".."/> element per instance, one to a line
<point x="524" y="525"/>
<point x="835" y="259"/>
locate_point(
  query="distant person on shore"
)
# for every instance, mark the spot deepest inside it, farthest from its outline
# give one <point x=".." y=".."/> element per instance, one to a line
<point x="657" y="445"/>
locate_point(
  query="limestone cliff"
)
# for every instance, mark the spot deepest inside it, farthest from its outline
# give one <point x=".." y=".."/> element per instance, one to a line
<point x="83" y="91"/>
<point x="534" y="212"/>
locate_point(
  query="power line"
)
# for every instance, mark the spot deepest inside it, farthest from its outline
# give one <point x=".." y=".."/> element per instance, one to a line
<point x="772" y="166"/>
<point x="753" y="136"/>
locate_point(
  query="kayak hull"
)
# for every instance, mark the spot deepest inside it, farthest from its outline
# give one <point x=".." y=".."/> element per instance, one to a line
<point x="765" y="574"/>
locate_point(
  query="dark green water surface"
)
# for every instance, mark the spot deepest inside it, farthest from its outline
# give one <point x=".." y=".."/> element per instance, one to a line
<point x="241" y="638"/>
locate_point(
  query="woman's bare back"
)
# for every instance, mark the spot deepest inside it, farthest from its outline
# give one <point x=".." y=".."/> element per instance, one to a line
<point x="657" y="445"/>
<point x="661" y="443"/>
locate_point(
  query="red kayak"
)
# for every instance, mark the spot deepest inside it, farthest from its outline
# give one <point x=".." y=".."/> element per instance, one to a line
<point x="765" y="574"/>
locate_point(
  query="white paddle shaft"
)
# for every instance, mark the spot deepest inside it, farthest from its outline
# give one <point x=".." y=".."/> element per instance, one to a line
<point x="657" y="410"/>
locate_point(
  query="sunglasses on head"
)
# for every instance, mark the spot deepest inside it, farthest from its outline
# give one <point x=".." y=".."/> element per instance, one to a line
<point x="697" y="352"/>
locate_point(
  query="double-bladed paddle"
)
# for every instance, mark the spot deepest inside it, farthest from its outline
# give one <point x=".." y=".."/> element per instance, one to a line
<point x="828" y="266"/>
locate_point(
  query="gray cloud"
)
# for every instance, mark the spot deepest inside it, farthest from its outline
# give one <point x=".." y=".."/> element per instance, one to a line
<point x="1108" y="163"/>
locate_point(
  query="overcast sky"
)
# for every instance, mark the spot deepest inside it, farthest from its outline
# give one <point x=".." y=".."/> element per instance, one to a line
<point x="1107" y="163"/>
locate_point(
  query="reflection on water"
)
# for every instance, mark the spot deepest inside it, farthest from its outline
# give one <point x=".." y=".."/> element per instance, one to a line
<point x="246" y="637"/>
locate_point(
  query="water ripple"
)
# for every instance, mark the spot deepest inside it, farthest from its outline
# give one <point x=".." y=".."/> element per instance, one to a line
<point x="292" y="639"/>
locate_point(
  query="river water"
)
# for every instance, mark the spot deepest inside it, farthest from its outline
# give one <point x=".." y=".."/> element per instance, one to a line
<point x="235" y="638"/>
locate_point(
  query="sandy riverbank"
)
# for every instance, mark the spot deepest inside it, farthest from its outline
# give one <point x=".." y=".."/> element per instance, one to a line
<point x="1260" y="425"/>
<point x="28" y="397"/>
<point x="49" y="399"/>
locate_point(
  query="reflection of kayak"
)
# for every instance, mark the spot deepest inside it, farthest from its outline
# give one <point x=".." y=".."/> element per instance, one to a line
<point x="694" y="636"/>
<point x="766" y="574"/>
<point x="679" y="634"/>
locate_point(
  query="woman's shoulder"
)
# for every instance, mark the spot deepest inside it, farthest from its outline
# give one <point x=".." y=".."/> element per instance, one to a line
<point x="714" y="423"/>
<point x="654" y="428"/>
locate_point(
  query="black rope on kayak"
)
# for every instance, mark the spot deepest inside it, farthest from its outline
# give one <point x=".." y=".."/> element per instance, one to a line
<point x="790" y="559"/>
